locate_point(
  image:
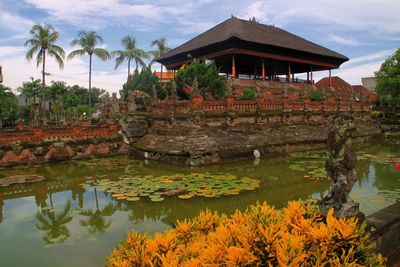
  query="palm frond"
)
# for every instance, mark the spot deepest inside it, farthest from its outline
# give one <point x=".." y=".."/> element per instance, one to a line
<point x="102" y="53"/>
<point x="78" y="52"/>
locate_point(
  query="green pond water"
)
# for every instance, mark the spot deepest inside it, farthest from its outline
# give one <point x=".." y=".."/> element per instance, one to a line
<point x="68" y="219"/>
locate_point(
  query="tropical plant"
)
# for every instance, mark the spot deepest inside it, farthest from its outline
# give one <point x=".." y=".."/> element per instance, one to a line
<point x="43" y="39"/>
<point x="249" y="93"/>
<point x="130" y="52"/>
<point x="96" y="221"/>
<point x="388" y="80"/>
<point x="260" y="236"/>
<point x="8" y="104"/>
<point x="54" y="225"/>
<point x="207" y="76"/>
<point x="88" y="40"/>
<point x="317" y="96"/>
<point x="143" y="81"/>
<point x="161" y="45"/>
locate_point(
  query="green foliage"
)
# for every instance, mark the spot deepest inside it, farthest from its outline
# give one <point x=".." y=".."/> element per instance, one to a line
<point x="42" y="41"/>
<point x="130" y="53"/>
<point x="207" y="77"/>
<point x="317" y="96"/>
<point x="376" y="114"/>
<point x="249" y="93"/>
<point x="77" y="95"/>
<point x="143" y="81"/>
<point x="388" y="80"/>
<point x="30" y="90"/>
<point x="8" y="105"/>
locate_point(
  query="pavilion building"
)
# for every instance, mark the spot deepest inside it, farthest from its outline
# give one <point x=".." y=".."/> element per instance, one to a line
<point x="249" y="50"/>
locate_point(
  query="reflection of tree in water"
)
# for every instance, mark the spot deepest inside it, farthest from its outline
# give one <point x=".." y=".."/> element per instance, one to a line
<point x="54" y="225"/>
<point x="96" y="221"/>
<point x="139" y="211"/>
<point x="1" y="208"/>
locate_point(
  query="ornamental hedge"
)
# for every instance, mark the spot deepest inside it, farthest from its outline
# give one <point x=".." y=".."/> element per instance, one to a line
<point x="260" y="236"/>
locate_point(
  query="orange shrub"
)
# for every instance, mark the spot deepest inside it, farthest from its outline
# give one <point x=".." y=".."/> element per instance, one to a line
<point x="260" y="236"/>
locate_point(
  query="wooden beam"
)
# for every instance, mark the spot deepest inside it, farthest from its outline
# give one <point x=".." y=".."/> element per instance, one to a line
<point x="261" y="55"/>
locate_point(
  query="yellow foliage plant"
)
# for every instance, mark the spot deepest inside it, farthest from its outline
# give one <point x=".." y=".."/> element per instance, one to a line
<point x="260" y="236"/>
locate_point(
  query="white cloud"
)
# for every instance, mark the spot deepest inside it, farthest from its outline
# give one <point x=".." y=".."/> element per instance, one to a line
<point x="380" y="15"/>
<point x="381" y="55"/>
<point x="16" y="70"/>
<point x="342" y="40"/>
<point x="14" y="22"/>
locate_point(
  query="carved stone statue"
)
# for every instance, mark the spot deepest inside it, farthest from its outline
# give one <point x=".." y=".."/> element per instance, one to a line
<point x="131" y="102"/>
<point x="259" y="88"/>
<point x="228" y="87"/>
<point x="173" y="89"/>
<point x="154" y="93"/>
<point x="340" y="168"/>
<point x="195" y="87"/>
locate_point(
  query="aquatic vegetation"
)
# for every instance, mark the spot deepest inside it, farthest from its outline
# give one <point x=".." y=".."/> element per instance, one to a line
<point x="260" y="236"/>
<point x="186" y="186"/>
<point x="21" y="179"/>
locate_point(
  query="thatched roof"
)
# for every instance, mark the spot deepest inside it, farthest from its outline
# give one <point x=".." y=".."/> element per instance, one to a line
<point x="257" y="36"/>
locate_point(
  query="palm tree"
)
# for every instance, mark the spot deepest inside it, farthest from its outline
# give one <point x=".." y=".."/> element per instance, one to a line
<point x="88" y="40"/>
<point x="42" y="41"/>
<point x="96" y="221"/>
<point x="130" y="53"/>
<point x="161" y="45"/>
<point x="54" y="225"/>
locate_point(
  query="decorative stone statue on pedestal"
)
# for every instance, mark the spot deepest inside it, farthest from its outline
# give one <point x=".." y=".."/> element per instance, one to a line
<point x="131" y="102"/>
<point x="173" y="93"/>
<point x="154" y="93"/>
<point x="228" y="88"/>
<point x="340" y="168"/>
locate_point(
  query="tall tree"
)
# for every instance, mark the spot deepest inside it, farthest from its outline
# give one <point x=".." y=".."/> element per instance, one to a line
<point x="130" y="52"/>
<point x="30" y="90"/>
<point x="42" y="42"/>
<point x="388" y="80"/>
<point x="8" y="103"/>
<point x="161" y="45"/>
<point x="88" y="40"/>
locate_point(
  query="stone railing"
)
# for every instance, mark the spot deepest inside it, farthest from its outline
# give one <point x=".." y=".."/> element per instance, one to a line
<point x="38" y="134"/>
<point x="230" y="104"/>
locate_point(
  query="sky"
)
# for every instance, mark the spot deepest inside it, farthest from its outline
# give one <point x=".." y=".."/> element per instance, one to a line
<point x="366" y="31"/>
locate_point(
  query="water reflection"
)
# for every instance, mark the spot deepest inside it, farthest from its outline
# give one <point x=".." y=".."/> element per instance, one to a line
<point x="83" y="220"/>
<point x="54" y="224"/>
<point x="96" y="221"/>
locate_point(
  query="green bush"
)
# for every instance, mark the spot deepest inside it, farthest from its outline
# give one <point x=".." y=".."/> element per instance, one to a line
<point x="249" y="93"/>
<point x="207" y="77"/>
<point x="376" y="114"/>
<point x="317" y="96"/>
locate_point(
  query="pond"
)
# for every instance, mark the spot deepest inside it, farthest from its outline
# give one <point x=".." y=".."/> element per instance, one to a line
<point x="69" y="213"/>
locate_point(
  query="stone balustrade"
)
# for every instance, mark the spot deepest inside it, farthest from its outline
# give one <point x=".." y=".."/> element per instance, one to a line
<point x="230" y="104"/>
<point x="38" y="134"/>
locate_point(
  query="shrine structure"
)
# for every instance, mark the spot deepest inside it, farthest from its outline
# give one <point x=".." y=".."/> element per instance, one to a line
<point x="253" y="51"/>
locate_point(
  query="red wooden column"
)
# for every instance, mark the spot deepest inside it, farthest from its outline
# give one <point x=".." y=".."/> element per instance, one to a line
<point x="233" y="67"/>
<point x="289" y="74"/>
<point x="263" y="70"/>
<point x="311" y="76"/>
<point x="330" y="78"/>
<point x="308" y="77"/>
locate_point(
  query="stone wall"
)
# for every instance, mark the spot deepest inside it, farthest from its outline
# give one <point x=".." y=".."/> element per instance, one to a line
<point x="215" y="137"/>
<point x="384" y="226"/>
<point x="44" y="145"/>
